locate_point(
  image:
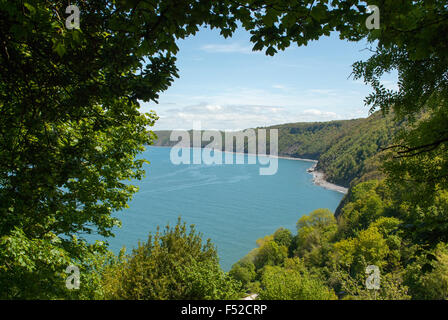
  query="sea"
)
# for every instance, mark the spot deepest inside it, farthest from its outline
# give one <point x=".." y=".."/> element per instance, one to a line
<point x="233" y="205"/>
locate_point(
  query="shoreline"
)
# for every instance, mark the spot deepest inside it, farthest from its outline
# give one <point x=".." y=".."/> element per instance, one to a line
<point x="319" y="180"/>
<point x="318" y="176"/>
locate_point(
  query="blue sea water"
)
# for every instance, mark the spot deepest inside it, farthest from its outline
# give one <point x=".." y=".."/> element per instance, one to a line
<point x="230" y="204"/>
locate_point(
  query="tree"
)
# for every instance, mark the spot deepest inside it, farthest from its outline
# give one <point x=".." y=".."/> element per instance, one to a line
<point x="70" y="123"/>
<point x="391" y="287"/>
<point x="427" y="276"/>
<point x="366" y="203"/>
<point x="173" y="264"/>
<point x="293" y="282"/>
<point x="283" y="237"/>
<point x="314" y="233"/>
<point x="355" y="254"/>
<point x="319" y="218"/>
<point x="351" y="256"/>
<point x="243" y="271"/>
<point x="270" y="254"/>
<point x="416" y="48"/>
<point x="423" y="208"/>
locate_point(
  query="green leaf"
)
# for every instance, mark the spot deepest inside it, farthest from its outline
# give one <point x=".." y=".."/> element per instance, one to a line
<point x="271" y="51"/>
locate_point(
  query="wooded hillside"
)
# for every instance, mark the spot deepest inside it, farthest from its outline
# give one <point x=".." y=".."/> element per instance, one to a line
<point x="347" y="150"/>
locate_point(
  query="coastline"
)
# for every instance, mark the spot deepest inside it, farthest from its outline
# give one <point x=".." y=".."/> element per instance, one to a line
<point x="318" y="176"/>
<point x="319" y="180"/>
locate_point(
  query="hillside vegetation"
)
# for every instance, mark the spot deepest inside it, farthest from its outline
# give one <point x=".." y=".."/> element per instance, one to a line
<point x="72" y="132"/>
<point x="347" y="150"/>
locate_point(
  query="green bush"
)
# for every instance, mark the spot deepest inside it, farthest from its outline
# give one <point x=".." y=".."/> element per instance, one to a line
<point x="174" y="264"/>
<point x="292" y="282"/>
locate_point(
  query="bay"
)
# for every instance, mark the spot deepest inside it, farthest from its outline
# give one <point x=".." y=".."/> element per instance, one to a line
<point x="230" y="204"/>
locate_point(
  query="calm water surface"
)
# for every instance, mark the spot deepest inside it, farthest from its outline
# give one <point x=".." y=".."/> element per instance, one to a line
<point x="230" y="204"/>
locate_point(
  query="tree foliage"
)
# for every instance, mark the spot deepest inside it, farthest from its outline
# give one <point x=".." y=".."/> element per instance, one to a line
<point x="173" y="264"/>
<point x="71" y="130"/>
<point x="293" y="282"/>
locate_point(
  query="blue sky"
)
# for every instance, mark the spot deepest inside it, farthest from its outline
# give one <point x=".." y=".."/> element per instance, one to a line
<point x="226" y="86"/>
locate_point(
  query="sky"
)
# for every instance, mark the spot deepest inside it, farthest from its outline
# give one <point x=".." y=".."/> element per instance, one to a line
<point x="224" y="85"/>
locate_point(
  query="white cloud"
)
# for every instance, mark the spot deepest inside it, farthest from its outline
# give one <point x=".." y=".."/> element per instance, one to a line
<point x="235" y="108"/>
<point x="316" y="112"/>
<point x="222" y="117"/>
<point x="213" y="107"/>
<point x="227" y="48"/>
<point x="236" y="117"/>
